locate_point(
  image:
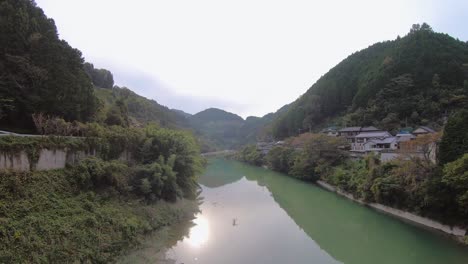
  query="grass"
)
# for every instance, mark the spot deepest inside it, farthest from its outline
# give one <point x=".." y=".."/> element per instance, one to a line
<point x="45" y="217"/>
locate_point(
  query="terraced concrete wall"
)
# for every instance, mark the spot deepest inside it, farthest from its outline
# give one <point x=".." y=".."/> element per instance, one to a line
<point x="48" y="159"/>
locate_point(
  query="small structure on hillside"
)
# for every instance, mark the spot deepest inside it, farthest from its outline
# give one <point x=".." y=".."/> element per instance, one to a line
<point x="330" y="131"/>
<point x="423" y="130"/>
<point x="404" y="136"/>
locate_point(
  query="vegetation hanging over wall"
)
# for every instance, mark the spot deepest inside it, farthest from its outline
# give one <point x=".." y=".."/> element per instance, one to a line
<point x="93" y="211"/>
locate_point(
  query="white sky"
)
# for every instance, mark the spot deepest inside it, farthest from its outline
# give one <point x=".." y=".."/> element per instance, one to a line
<point x="249" y="57"/>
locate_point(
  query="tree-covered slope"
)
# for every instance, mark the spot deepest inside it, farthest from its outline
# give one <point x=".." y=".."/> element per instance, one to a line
<point x="217" y="128"/>
<point x="38" y="71"/>
<point x="99" y="77"/>
<point x="121" y="106"/>
<point x="259" y="128"/>
<point x="417" y="79"/>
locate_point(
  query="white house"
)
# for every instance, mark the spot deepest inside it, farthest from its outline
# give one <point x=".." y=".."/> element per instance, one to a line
<point x="361" y="139"/>
<point x="377" y="145"/>
<point x="351" y="132"/>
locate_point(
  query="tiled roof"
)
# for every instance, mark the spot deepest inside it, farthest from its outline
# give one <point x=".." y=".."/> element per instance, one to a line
<point x="382" y="141"/>
<point x="379" y="134"/>
<point x="428" y="129"/>
<point x="350" y="129"/>
<point x="370" y="128"/>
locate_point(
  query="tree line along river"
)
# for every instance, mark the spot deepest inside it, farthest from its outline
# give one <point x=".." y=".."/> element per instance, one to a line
<point x="253" y="215"/>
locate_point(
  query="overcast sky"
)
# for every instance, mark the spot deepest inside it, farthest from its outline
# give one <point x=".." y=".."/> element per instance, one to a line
<point x="249" y="57"/>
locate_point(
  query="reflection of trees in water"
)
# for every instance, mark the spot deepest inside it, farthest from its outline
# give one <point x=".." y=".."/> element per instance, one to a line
<point x="221" y="172"/>
<point x="154" y="247"/>
<point x="349" y="232"/>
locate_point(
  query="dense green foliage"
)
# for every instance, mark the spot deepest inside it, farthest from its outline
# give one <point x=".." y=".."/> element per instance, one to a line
<point x="219" y="128"/>
<point x="100" y="77"/>
<point x="415" y="184"/>
<point x="92" y="211"/>
<point x="167" y="154"/>
<point x="456" y="176"/>
<point x="38" y="71"/>
<point x="454" y="142"/>
<point x="414" y="80"/>
<point x="50" y="217"/>
<point x="281" y="159"/>
<point x="412" y="185"/>
<point x="259" y="128"/>
<point x="250" y="155"/>
<point x="121" y="106"/>
<point x="307" y="157"/>
<point x="315" y="156"/>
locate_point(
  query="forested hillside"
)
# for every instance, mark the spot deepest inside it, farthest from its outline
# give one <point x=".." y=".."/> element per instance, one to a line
<point x="38" y="71"/>
<point x="100" y="77"/>
<point x="418" y="79"/>
<point x="121" y="106"/>
<point x="260" y="128"/>
<point x="131" y="177"/>
<point x="217" y="128"/>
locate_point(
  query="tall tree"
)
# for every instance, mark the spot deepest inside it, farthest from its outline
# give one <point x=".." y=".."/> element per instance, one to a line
<point x="455" y="139"/>
<point x="40" y="72"/>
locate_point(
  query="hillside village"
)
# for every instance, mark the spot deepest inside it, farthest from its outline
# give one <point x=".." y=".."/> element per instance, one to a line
<point x="421" y="142"/>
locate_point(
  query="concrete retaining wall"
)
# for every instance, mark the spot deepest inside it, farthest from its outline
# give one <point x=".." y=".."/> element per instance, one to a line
<point x="18" y="161"/>
<point x="48" y="159"/>
<point x="426" y="222"/>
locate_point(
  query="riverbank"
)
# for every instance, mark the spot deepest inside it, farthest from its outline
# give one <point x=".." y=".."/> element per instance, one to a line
<point x="48" y="217"/>
<point x="456" y="232"/>
<point x="153" y="248"/>
<point x="434" y="191"/>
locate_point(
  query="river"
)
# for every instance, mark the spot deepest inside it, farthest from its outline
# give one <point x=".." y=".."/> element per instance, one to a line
<point x="253" y="215"/>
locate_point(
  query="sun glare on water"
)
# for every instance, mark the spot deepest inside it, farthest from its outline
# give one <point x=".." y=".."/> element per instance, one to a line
<point x="199" y="233"/>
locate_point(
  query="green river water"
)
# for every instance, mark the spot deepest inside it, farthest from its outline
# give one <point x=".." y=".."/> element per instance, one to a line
<point x="253" y="215"/>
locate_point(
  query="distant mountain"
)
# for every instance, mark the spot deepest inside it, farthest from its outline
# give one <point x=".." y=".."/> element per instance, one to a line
<point x="217" y="128"/>
<point x="415" y="80"/>
<point x="182" y="113"/>
<point x="215" y="114"/>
